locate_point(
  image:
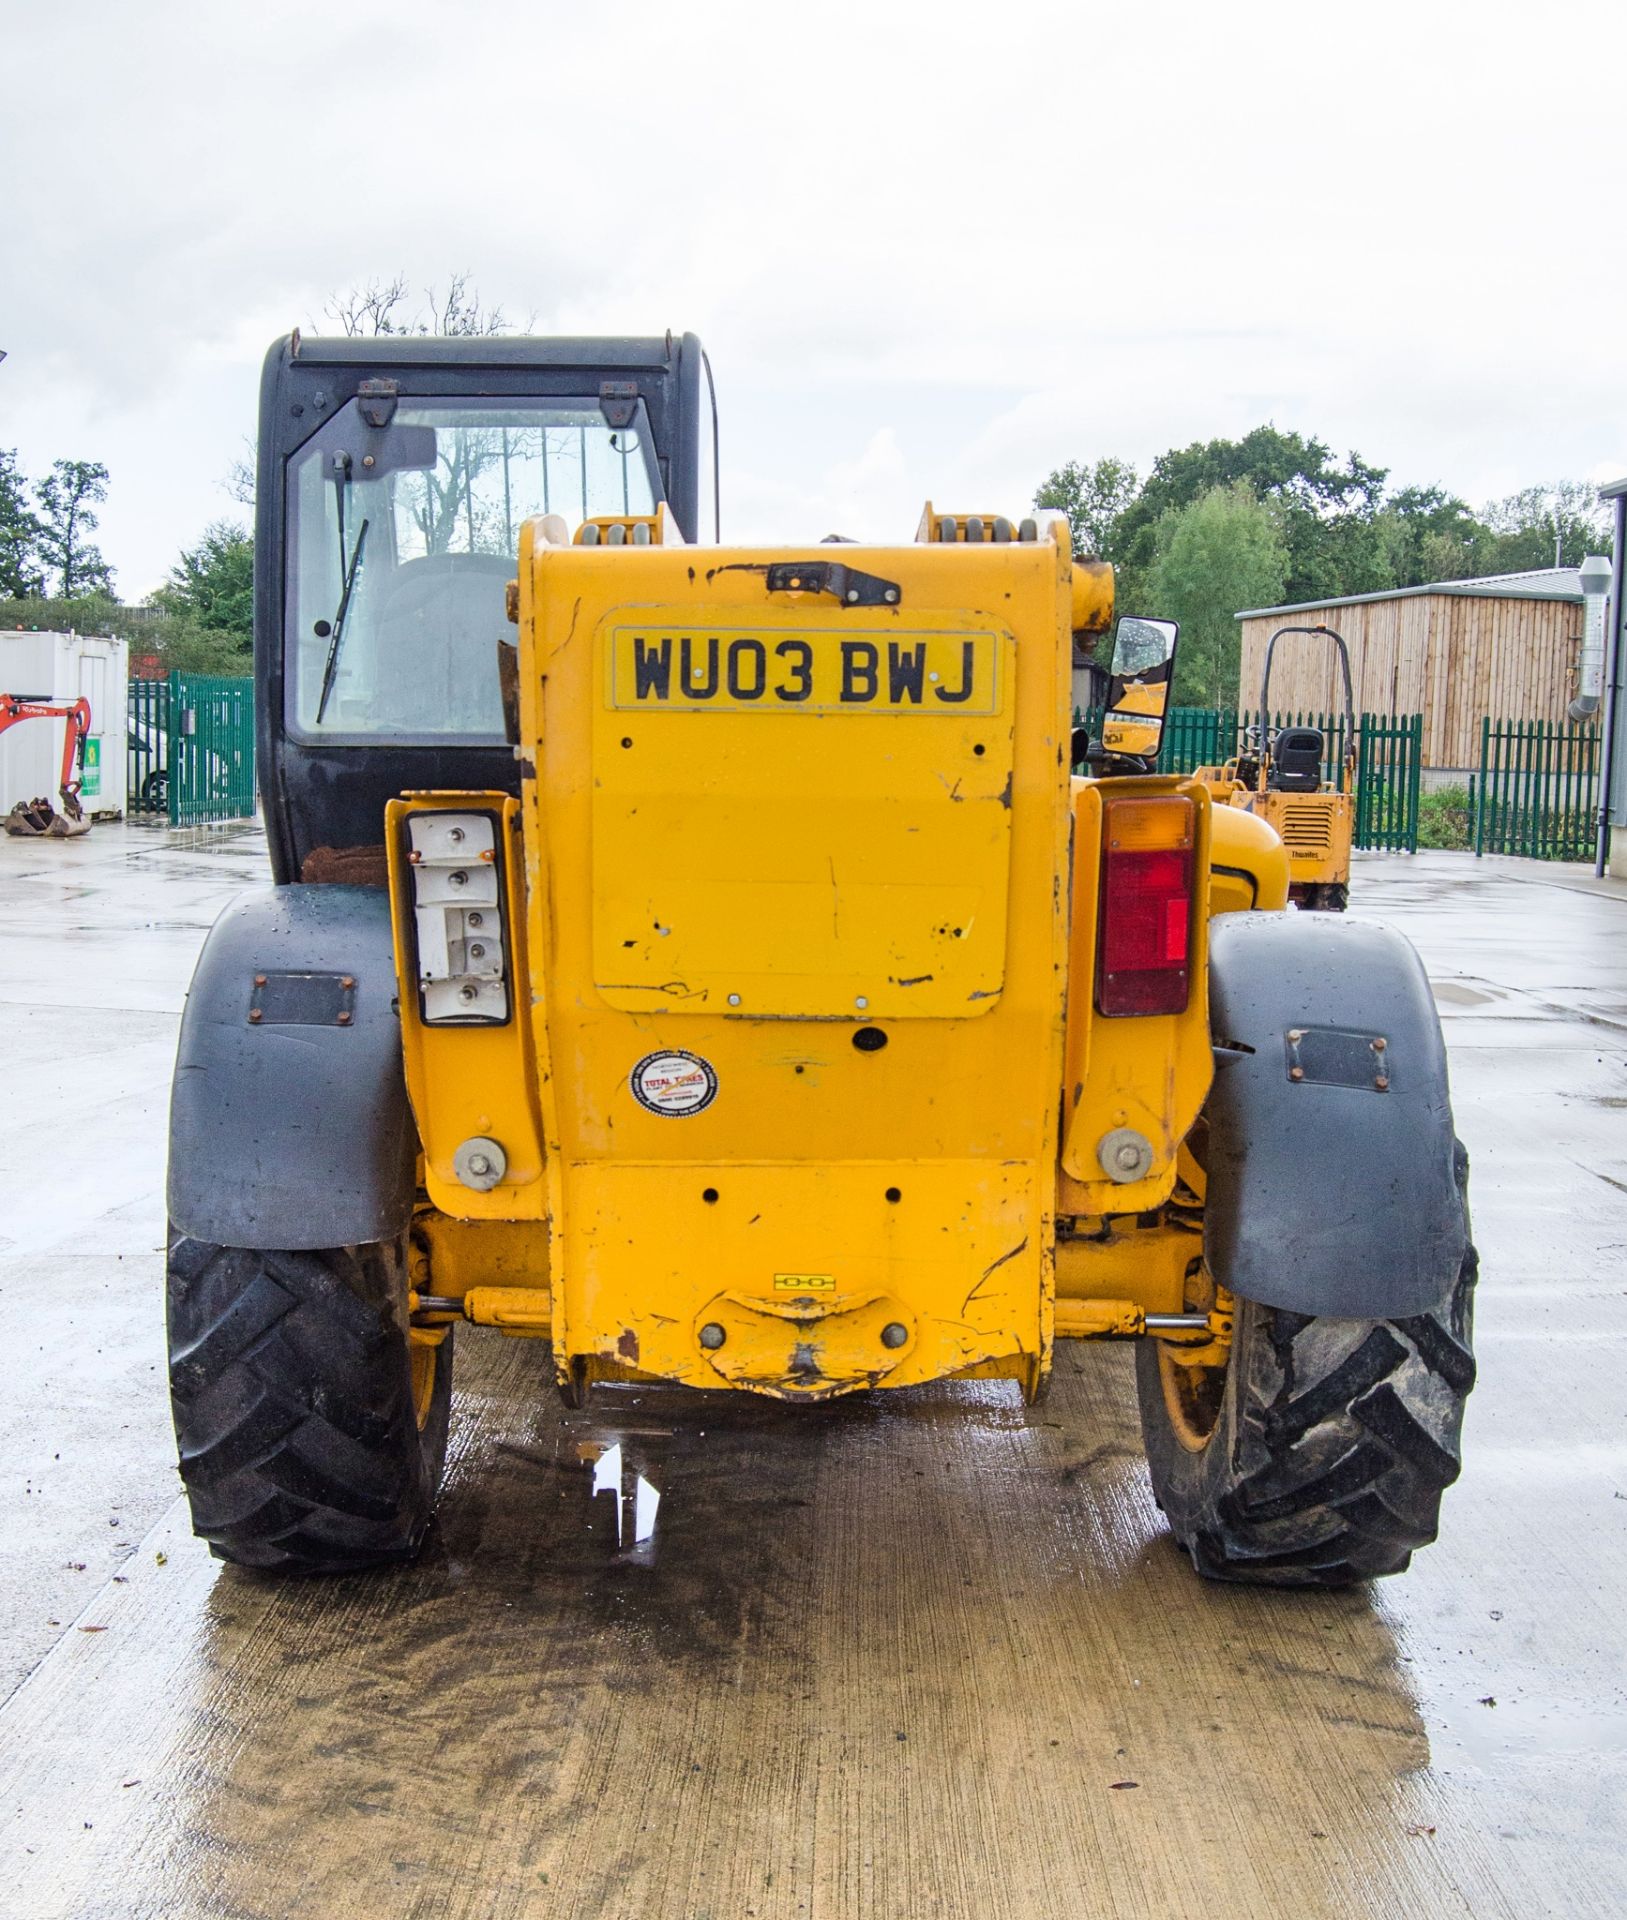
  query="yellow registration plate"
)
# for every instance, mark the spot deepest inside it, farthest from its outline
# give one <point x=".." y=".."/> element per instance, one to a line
<point x="667" y="669"/>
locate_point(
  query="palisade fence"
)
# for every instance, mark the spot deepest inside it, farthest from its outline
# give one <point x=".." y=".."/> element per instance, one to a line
<point x="147" y="740"/>
<point x="1537" y="793"/>
<point x="1389" y="760"/>
<point x="191" y="745"/>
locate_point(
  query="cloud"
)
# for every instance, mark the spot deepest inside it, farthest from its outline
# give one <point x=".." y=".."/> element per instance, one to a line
<point x="930" y="253"/>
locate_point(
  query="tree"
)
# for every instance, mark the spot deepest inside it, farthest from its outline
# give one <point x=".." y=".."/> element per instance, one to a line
<point x="19" y="531"/>
<point x="374" y="309"/>
<point x="211" y="586"/>
<point x="1325" y="508"/>
<point x="1528" y="525"/>
<point x="1220" y="554"/>
<point x="68" y="498"/>
<point x="1093" y="498"/>
<point x="377" y="308"/>
<point x="1427" y="534"/>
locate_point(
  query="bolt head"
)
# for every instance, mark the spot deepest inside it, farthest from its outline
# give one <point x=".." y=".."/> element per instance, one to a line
<point x="894" y="1334"/>
<point x="480" y="1163"/>
<point x="712" y="1336"/>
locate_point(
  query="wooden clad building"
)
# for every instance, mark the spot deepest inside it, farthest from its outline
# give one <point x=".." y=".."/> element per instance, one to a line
<point x="1505" y="645"/>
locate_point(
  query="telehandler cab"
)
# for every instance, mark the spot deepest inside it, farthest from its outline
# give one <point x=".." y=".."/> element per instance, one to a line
<point x="701" y="959"/>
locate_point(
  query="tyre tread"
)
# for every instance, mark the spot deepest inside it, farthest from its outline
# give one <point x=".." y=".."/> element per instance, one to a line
<point x="1347" y="1434"/>
<point x="293" y="1408"/>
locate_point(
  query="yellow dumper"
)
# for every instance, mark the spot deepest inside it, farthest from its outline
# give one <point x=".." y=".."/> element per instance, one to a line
<point x="1278" y="776"/>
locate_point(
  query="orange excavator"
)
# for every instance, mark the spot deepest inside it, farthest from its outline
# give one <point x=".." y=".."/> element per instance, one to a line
<point x="38" y="816"/>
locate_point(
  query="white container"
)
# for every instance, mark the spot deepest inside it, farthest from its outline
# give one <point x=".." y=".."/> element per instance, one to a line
<point x="63" y="667"/>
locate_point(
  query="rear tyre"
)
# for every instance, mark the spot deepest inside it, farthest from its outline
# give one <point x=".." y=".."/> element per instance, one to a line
<point x="1317" y="1457"/>
<point x="311" y="1428"/>
<point x="1332" y="896"/>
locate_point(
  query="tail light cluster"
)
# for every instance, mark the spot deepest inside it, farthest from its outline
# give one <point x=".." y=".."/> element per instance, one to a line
<point x="457" y="905"/>
<point x="1145" y="906"/>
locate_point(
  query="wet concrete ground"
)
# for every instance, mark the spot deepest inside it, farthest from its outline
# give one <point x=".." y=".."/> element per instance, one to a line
<point x="922" y="1656"/>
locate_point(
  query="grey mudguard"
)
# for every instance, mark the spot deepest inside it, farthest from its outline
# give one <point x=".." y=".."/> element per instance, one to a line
<point x="291" y="1129"/>
<point x="1332" y="1187"/>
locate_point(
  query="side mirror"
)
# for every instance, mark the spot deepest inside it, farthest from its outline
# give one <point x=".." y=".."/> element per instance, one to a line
<point x="1138" y="691"/>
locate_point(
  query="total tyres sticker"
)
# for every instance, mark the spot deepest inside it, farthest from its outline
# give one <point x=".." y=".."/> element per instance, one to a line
<point x="674" y="1084"/>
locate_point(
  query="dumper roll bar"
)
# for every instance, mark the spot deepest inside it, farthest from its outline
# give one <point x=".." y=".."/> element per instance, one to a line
<point x="1322" y="633"/>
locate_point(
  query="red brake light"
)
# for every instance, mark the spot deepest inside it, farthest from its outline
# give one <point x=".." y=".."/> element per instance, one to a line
<point x="1145" y="908"/>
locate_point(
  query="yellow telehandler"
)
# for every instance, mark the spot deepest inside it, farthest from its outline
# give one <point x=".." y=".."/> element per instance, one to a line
<point x="701" y="959"/>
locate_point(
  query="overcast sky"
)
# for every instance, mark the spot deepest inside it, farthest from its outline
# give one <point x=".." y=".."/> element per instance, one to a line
<point x="933" y="249"/>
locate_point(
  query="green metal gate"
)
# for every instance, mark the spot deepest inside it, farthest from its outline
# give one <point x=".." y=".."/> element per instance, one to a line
<point x="1389" y="774"/>
<point x="1389" y="760"/>
<point x="147" y="740"/>
<point x="1389" y="770"/>
<point x="1538" y="790"/>
<point x="192" y="747"/>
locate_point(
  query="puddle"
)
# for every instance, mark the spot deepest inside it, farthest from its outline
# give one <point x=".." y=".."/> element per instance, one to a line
<point x="1454" y="994"/>
<point x="634" y="1498"/>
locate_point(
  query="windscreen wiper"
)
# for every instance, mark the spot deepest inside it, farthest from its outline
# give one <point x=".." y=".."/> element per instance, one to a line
<point x="334" y="644"/>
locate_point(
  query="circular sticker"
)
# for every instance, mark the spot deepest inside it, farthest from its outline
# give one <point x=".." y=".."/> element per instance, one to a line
<point x="674" y="1083"/>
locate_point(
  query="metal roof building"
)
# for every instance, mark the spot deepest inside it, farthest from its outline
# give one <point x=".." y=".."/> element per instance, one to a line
<point x="1504" y="644"/>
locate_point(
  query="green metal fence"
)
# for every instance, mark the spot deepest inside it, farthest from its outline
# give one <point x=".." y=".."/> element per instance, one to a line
<point x="192" y="748"/>
<point x="1538" y="790"/>
<point x="1197" y="737"/>
<point x="1389" y="760"/>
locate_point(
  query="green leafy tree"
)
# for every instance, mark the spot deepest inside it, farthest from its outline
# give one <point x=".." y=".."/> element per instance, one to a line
<point x="19" y="531"/>
<point x="1325" y="508"/>
<point x="211" y="586"/>
<point x="1094" y="498"/>
<point x="1212" y="558"/>
<point x="68" y="498"/>
<point x="1529" y="525"/>
<point x="1428" y="534"/>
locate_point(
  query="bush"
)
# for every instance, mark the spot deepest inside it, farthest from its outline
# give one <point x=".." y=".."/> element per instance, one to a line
<point x="180" y="643"/>
<point x="1444" y="820"/>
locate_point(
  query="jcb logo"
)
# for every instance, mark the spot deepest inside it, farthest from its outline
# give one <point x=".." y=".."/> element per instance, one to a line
<point x="842" y="671"/>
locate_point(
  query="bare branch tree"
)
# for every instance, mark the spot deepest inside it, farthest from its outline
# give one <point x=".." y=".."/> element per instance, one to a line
<point x="460" y="311"/>
<point x="378" y="308"/>
<point x="371" y="309"/>
<point x="240" y="475"/>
